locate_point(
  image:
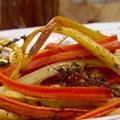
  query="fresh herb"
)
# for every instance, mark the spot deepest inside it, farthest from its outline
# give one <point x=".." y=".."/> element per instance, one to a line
<point x="55" y="117"/>
<point x="15" y="40"/>
<point x="23" y="37"/>
<point x="116" y="65"/>
<point x="98" y="31"/>
<point x="102" y="56"/>
<point x="75" y="75"/>
<point x="93" y="77"/>
<point x="4" y="63"/>
<point x="69" y="76"/>
<point x="97" y="47"/>
<point x="63" y="39"/>
<point x="116" y="92"/>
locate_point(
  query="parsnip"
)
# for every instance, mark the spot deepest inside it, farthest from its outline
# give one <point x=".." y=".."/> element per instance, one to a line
<point x="109" y="59"/>
<point x="38" y="76"/>
<point x="5" y="115"/>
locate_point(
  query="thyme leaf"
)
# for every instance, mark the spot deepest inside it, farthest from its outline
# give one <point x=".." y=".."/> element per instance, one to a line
<point x="15" y="40"/>
<point x="116" y="65"/>
<point x="4" y="63"/>
<point x="23" y="37"/>
<point x="76" y="75"/>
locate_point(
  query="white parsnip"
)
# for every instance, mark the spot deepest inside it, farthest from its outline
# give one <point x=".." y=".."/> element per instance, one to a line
<point x="36" y="77"/>
<point x="5" y="115"/>
<point x="104" y="55"/>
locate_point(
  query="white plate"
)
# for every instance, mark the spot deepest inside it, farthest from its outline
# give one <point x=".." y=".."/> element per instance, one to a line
<point x="106" y="28"/>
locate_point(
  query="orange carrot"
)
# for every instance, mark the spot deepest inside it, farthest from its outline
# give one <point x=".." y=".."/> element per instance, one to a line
<point x="37" y="111"/>
<point x="105" y="42"/>
<point x="100" y="111"/>
<point x="63" y="93"/>
<point x="68" y="52"/>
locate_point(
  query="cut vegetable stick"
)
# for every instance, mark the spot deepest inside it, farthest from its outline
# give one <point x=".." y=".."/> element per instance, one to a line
<point x="62" y="93"/>
<point x="6" y="115"/>
<point x="100" y="110"/>
<point x="50" y="27"/>
<point x="110" y="43"/>
<point x="38" y="76"/>
<point x="67" y="53"/>
<point x="62" y="21"/>
<point x="64" y="53"/>
<point x="97" y="50"/>
<point x="36" y="111"/>
<point x="81" y="105"/>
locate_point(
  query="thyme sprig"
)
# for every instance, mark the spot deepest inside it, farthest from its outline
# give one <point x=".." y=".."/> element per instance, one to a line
<point x="4" y="63"/>
<point x="15" y="40"/>
<point x="72" y="75"/>
<point x="76" y="75"/>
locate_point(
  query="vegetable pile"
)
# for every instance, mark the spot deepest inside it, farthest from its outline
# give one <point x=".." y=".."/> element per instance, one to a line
<point x="60" y="82"/>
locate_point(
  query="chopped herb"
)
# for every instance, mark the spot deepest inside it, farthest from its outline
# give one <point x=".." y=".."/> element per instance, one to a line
<point x="55" y="117"/>
<point x="116" y="92"/>
<point x="102" y="56"/>
<point x="69" y="75"/>
<point x="4" y="63"/>
<point x="48" y="69"/>
<point x="63" y="39"/>
<point x="97" y="47"/>
<point x="23" y="37"/>
<point x="7" y="44"/>
<point x="98" y="31"/>
<point x="7" y="113"/>
<point x="75" y="75"/>
<point x="116" y="65"/>
<point x="15" y="39"/>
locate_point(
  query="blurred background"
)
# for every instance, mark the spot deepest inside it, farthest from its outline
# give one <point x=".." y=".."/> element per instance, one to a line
<point x="29" y="13"/>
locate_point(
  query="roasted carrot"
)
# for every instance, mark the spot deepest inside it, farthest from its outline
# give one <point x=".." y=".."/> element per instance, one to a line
<point x="63" y="93"/>
<point x="105" y="42"/>
<point x="54" y="45"/>
<point x="37" y="111"/>
<point x="111" y="43"/>
<point x="100" y="111"/>
<point x="67" y="53"/>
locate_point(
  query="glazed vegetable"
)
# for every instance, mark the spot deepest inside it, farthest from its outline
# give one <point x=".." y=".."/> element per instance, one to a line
<point x="61" y="21"/>
<point x="68" y="52"/>
<point x="104" y="55"/>
<point x="40" y="75"/>
<point x="53" y="103"/>
<point x="15" y="56"/>
<point x="101" y="110"/>
<point x="68" y="93"/>
<point x="35" y="111"/>
<point x="54" y="23"/>
<point x="60" y="82"/>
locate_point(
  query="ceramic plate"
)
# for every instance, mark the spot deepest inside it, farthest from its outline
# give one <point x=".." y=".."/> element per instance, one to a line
<point x="106" y="28"/>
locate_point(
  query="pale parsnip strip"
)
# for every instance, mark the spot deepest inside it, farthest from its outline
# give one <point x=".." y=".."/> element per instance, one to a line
<point x="18" y="55"/>
<point x="6" y="115"/>
<point x="115" y="112"/>
<point x="50" y="102"/>
<point x="109" y="59"/>
<point x="36" y="77"/>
